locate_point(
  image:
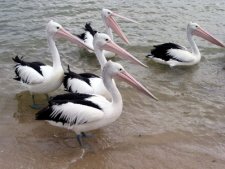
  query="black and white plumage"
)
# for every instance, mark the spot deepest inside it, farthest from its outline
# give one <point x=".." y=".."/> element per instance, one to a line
<point x="88" y="35"/>
<point x="39" y="77"/>
<point x="174" y="54"/>
<point x="110" y="24"/>
<point x="85" y="80"/>
<point x="90" y="83"/>
<point x="29" y="72"/>
<point x="161" y="51"/>
<point x="87" y="28"/>
<point x="85" y="112"/>
<point x="64" y="100"/>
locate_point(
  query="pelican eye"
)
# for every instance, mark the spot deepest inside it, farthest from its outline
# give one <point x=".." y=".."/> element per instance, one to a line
<point x="120" y="69"/>
<point x="57" y="27"/>
<point x="109" y="13"/>
<point x="107" y="40"/>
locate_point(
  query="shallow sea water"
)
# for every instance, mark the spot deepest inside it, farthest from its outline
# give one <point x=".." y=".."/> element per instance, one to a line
<point x="184" y="129"/>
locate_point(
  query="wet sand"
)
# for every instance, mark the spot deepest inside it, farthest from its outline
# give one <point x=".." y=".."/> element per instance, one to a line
<point x="27" y="143"/>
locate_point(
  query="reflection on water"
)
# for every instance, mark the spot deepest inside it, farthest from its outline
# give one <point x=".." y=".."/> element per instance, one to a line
<point x="184" y="128"/>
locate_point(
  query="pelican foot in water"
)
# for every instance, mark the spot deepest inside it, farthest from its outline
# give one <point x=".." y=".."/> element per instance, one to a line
<point x="37" y="106"/>
<point x="79" y="139"/>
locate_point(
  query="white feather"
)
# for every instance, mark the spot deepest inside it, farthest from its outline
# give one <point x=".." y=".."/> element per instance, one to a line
<point x="47" y="71"/>
<point x="82" y="114"/>
<point x="79" y="86"/>
<point x="29" y="75"/>
<point x="99" y="87"/>
<point x="181" y="55"/>
<point x="96" y="86"/>
<point x="89" y="41"/>
<point x="99" y="100"/>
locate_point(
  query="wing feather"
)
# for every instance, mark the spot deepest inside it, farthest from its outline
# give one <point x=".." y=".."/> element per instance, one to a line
<point x="31" y="72"/>
<point x="74" y="109"/>
<point x="180" y="55"/>
<point x="78" y="86"/>
<point x="70" y="113"/>
<point x="28" y="75"/>
<point x="161" y="51"/>
<point x="79" y="83"/>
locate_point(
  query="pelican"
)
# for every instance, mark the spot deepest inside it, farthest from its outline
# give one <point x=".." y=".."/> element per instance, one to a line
<point x="175" y="55"/>
<point x="39" y="77"/>
<point x="84" y="112"/>
<point x="90" y="83"/>
<point x="110" y="24"/>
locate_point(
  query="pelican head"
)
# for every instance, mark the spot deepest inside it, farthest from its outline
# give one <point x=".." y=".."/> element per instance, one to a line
<point x="102" y="41"/>
<point x="195" y="29"/>
<point x="116" y="70"/>
<point x="107" y="16"/>
<point x="54" y="29"/>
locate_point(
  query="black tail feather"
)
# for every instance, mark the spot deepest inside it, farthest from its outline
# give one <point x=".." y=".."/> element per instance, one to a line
<point x="17" y="78"/>
<point x="43" y="114"/>
<point x="90" y="29"/>
<point x="18" y="60"/>
<point x="68" y="68"/>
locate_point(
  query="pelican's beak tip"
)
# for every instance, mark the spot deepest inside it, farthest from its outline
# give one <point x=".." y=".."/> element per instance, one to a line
<point x="145" y="66"/>
<point x="153" y="97"/>
<point x="156" y="99"/>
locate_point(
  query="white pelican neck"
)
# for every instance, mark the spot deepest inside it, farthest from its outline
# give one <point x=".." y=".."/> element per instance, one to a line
<point x="113" y="90"/>
<point x="193" y="45"/>
<point x="55" y="54"/>
<point x="100" y="56"/>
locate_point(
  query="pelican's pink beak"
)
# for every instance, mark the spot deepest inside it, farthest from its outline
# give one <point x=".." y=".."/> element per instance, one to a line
<point x="110" y="22"/>
<point x="74" y="39"/>
<point x="123" y="17"/>
<point x="207" y="36"/>
<point x="132" y="81"/>
<point x="113" y="47"/>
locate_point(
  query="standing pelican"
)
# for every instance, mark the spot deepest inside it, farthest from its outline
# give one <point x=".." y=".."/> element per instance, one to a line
<point x="90" y="83"/>
<point x="110" y="24"/>
<point x="174" y="54"/>
<point x="39" y="77"/>
<point x="85" y="112"/>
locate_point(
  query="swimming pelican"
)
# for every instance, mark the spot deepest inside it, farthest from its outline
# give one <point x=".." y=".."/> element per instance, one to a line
<point x="39" y="77"/>
<point x="90" y="83"/>
<point x="110" y="24"/>
<point x="175" y="55"/>
<point x="85" y="112"/>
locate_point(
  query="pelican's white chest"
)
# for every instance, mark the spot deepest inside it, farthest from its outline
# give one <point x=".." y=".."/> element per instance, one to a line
<point x="51" y="82"/>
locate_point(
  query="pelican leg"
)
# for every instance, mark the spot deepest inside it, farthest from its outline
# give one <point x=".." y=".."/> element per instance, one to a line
<point x="47" y="97"/>
<point x="79" y="139"/>
<point x="34" y="105"/>
<point x="86" y="135"/>
<point x="33" y="99"/>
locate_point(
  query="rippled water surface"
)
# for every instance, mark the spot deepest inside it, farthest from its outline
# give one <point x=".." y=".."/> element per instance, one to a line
<point x="184" y="129"/>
